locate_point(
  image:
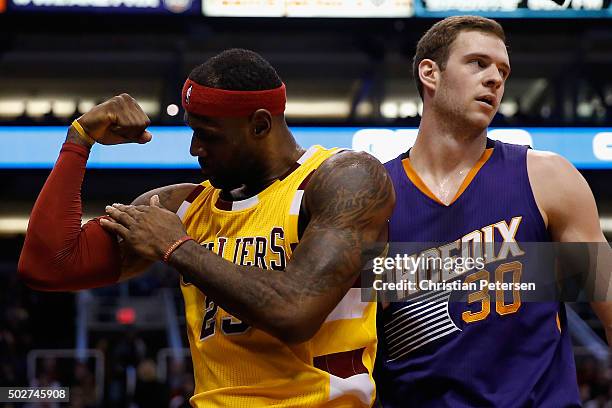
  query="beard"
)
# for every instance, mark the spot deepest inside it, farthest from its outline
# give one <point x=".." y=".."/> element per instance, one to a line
<point x="453" y="111"/>
<point x="223" y="183"/>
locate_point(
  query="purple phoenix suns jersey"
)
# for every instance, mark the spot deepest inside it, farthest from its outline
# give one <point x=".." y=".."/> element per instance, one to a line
<point x="486" y="350"/>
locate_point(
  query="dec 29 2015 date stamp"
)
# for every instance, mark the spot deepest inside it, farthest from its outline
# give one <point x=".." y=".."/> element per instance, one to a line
<point x="34" y="394"/>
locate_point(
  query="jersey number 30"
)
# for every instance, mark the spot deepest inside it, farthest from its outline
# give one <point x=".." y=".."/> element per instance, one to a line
<point x="484" y="298"/>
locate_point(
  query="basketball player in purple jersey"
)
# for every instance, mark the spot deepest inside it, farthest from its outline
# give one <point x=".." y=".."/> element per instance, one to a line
<point x="454" y="187"/>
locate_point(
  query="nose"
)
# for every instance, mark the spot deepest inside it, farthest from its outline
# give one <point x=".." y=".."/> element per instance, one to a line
<point x="493" y="78"/>
<point x="196" y="148"/>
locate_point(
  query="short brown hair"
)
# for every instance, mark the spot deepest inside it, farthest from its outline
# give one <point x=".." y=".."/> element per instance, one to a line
<point x="435" y="44"/>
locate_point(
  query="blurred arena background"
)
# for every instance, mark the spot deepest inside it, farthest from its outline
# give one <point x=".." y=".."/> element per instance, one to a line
<point x="347" y="66"/>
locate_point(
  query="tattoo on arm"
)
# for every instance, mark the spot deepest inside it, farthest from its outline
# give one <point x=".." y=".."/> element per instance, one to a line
<point x="350" y="199"/>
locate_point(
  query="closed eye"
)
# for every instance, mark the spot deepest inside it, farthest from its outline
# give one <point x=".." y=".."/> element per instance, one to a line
<point x="206" y="135"/>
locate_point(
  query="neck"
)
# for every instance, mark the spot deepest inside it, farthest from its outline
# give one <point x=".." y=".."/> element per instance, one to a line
<point x="276" y="159"/>
<point x="444" y="147"/>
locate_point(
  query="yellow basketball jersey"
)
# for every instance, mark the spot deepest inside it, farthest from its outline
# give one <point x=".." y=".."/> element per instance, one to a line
<point x="236" y="365"/>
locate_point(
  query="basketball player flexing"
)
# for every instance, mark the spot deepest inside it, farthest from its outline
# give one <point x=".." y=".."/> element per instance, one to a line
<point x="270" y="321"/>
<point x="456" y="187"/>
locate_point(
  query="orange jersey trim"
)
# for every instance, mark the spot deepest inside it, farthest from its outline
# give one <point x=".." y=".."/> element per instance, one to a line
<point x="420" y="184"/>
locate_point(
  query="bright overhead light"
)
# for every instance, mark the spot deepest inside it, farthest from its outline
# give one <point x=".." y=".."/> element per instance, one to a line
<point x="85" y="105"/>
<point x="606" y="224"/>
<point x="364" y="109"/>
<point x="11" y="107"/>
<point x="508" y="108"/>
<point x="585" y="109"/>
<point x="63" y="107"/>
<point x="38" y="107"/>
<point x="13" y="225"/>
<point x="172" y="110"/>
<point x="389" y="110"/>
<point x="19" y="225"/>
<point x="408" y="109"/>
<point x="149" y="106"/>
<point x="317" y="108"/>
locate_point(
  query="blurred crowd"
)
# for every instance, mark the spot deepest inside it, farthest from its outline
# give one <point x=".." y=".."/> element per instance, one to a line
<point x="595" y="382"/>
<point x="33" y="320"/>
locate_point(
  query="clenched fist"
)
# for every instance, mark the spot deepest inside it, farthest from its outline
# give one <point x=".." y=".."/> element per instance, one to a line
<point x="118" y="120"/>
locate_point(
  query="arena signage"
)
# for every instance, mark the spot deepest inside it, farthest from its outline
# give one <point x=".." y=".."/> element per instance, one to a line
<point x="316" y="8"/>
<point x="515" y="8"/>
<point x="120" y="6"/>
<point x="586" y="148"/>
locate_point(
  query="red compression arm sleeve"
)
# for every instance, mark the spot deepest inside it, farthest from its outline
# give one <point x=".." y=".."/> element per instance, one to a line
<point x="58" y="254"/>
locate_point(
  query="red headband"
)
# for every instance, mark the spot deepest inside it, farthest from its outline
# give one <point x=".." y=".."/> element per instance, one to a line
<point x="205" y="101"/>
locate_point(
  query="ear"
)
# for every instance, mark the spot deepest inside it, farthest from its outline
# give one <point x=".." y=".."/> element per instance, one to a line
<point x="261" y="123"/>
<point x="429" y="75"/>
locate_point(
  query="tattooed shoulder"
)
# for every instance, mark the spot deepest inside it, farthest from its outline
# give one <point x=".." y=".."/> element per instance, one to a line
<point x="350" y="189"/>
